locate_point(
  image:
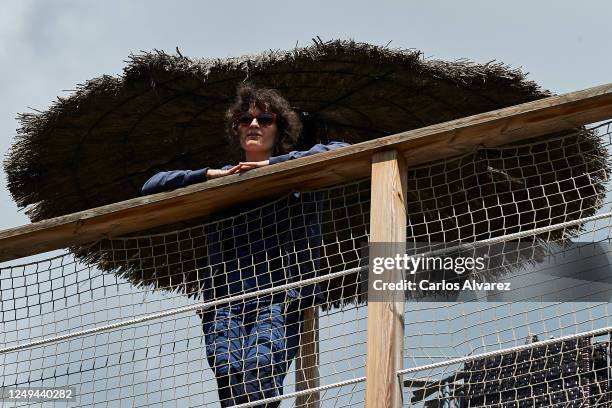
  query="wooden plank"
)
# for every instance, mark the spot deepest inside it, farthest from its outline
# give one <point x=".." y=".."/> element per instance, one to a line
<point x="386" y="309"/>
<point x="418" y="146"/>
<point x="307" y="364"/>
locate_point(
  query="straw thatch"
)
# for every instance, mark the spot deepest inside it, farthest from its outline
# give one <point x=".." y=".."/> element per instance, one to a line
<point x="101" y="143"/>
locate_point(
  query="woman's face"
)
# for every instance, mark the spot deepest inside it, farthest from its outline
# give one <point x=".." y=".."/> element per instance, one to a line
<point x="256" y="137"/>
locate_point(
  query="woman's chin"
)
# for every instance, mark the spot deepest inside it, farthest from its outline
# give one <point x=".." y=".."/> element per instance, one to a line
<point x="254" y="146"/>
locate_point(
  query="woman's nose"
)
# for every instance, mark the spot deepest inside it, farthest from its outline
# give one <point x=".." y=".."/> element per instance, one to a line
<point x="254" y="123"/>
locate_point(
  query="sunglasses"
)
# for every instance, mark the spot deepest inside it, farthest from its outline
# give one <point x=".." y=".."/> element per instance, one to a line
<point x="263" y="119"/>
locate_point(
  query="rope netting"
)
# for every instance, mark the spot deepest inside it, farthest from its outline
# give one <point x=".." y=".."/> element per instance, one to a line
<point x="232" y="340"/>
<point x="224" y="311"/>
<point x="162" y="360"/>
<point x="559" y="270"/>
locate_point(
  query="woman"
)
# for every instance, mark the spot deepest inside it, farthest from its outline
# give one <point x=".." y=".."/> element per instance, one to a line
<point x="250" y="344"/>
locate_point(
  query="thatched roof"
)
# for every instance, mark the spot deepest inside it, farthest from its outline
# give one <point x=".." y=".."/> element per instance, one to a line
<point x="164" y="112"/>
<point x="101" y="143"/>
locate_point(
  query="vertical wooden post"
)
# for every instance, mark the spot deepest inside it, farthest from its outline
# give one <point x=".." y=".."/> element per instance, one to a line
<point x="307" y="363"/>
<point x="386" y="314"/>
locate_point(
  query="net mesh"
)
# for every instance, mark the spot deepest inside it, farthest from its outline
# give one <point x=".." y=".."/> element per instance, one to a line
<point x="161" y="362"/>
<point x="559" y="289"/>
<point x="144" y="321"/>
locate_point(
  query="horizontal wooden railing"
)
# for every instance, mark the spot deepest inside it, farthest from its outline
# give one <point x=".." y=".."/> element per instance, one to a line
<point x="417" y="146"/>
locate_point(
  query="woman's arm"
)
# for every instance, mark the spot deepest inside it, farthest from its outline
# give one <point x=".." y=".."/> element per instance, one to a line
<point x="169" y="180"/>
<point x="318" y="148"/>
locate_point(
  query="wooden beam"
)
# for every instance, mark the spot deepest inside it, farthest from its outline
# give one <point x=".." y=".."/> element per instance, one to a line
<point x="418" y="146"/>
<point x="386" y="309"/>
<point x="307" y="364"/>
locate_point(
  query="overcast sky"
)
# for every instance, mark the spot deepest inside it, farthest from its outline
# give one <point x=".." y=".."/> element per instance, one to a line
<point x="47" y="47"/>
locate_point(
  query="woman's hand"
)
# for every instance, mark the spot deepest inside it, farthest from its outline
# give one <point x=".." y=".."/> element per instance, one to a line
<point x="239" y="168"/>
<point x="245" y="166"/>
<point x="216" y="173"/>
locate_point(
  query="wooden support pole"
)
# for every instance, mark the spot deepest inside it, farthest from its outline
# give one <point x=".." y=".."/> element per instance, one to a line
<point x="386" y="309"/>
<point x="307" y="364"/>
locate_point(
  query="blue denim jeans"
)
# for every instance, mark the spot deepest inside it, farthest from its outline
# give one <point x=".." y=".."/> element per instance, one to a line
<point x="250" y="346"/>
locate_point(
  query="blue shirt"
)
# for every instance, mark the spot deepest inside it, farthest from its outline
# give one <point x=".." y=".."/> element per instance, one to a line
<point x="272" y="245"/>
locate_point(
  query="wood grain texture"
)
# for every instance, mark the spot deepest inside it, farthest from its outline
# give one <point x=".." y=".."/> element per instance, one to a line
<point x="418" y="146"/>
<point x="307" y="363"/>
<point x="386" y="315"/>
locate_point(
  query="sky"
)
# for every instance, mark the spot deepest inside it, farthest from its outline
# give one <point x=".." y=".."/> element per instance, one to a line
<point x="48" y="47"/>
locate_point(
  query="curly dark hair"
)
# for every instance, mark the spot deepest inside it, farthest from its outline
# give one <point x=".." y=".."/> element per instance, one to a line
<point x="267" y="100"/>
